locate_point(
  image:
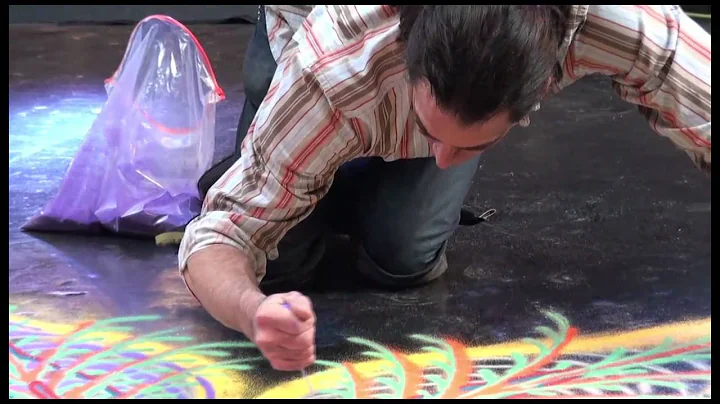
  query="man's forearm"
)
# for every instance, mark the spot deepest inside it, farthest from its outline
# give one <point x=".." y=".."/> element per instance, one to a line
<point x="223" y="279"/>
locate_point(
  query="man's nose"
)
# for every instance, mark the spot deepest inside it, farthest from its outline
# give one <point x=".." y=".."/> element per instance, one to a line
<point x="443" y="155"/>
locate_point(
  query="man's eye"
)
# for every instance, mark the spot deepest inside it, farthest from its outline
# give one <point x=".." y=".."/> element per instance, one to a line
<point x="430" y="138"/>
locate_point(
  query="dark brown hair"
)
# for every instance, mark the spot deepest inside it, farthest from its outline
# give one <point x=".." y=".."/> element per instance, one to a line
<point x="480" y="59"/>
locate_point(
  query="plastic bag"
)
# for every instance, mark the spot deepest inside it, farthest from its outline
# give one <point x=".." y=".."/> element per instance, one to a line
<point x="136" y="172"/>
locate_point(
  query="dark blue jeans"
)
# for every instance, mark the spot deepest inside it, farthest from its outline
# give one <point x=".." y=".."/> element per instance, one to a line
<point x="399" y="214"/>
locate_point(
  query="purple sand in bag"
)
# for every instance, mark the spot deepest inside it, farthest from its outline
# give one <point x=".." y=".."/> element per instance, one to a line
<point x="139" y="224"/>
<point x="136" y="172"/>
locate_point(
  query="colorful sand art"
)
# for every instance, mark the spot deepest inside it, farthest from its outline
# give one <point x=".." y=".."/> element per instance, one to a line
<point x="652" y="363"/>
<point x="103" y="359"/>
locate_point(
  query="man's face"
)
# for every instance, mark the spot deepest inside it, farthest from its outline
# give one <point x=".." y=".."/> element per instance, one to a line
<point x="454" y="143"/>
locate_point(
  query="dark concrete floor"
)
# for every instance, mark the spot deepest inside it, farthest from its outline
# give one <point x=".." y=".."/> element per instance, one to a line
<point x="598" y="219"/>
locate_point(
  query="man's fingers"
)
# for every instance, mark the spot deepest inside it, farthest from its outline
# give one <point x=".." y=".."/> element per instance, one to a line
<point x="292" y="348"/>
<point x="286" y="364"/>
<point x="301" y="341"/>
<point x="280" y="318"/>
<point x="285" y="331"/>
<point x="274" y="340"/>
<point x="300" y="306"/>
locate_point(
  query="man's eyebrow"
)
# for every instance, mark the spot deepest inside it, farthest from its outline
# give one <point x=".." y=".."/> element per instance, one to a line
<point x="423" y="129"/>
<point x="427" y="134"/>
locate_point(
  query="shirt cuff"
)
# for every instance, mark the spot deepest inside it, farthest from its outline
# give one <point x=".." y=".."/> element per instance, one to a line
<point x="202" y="233"/>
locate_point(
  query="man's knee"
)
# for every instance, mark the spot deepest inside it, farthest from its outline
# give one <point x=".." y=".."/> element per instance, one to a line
<point x="409" y="211"/>
<point x="405" y="261"/>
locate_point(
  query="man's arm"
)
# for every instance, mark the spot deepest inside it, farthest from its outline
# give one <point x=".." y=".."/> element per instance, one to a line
<point x="289" y="157"/>
<point x="658" y="59"/>
<point x="229" y="294"/>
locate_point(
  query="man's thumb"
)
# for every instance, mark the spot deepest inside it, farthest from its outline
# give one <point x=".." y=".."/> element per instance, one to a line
<point x="299" y="305"/>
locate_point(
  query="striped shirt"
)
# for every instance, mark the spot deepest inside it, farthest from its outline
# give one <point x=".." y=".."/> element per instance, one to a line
<point x="340" y="92"/>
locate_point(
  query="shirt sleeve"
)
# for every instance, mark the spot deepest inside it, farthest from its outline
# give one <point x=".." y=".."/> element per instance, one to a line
<point x="289" y="157"/>
<point x="659" y="59"/>
<point x="281" y="24"/>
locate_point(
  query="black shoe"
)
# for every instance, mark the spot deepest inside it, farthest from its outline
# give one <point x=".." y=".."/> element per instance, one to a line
<point x="470" y="218"/>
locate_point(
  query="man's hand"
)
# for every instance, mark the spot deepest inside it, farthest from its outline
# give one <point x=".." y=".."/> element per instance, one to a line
<point x="281" y="325"/>
<point x="284" y="330"/>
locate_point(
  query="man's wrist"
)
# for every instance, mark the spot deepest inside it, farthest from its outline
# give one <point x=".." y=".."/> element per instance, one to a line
<point x="250" y="300"/>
